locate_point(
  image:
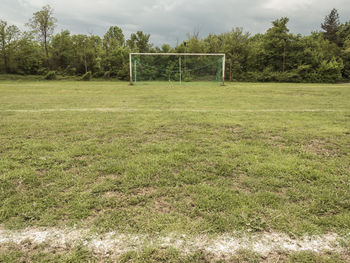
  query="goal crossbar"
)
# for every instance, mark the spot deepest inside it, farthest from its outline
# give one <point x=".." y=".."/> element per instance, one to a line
<point x="179" y="54"/>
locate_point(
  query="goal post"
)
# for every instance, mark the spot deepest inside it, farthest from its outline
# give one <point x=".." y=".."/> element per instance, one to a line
<point x="133" y="67"/>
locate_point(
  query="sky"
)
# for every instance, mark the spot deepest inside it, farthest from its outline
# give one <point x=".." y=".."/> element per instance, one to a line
<point x="170" y="21"/>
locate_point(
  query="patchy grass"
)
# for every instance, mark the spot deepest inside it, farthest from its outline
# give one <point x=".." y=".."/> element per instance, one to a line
<point x="196" y="158"/>
<point x="28" y="252"/>
<point x="34" y="253"/>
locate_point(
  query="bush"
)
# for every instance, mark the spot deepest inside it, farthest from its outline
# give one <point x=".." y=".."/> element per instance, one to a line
<point x="113" y="74"/>
<point x="107" y="75"/>
<point x="87" y="76"/>
<point x="69" y="71"/>
<point x="51" y="75"/>
<point x="289" y="76"/>
<point x="97" y="75"/>
<point x="250" y="76"/>
<point x="331" y="71"/>
<point x="308" y="74"/>
<point x="187" y="77"/>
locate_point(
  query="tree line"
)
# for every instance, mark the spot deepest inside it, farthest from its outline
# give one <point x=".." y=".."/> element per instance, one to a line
<point x="277" y="55"/>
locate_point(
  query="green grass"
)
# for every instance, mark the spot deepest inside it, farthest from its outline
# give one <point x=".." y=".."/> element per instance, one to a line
<point x="197" y="158"/>
<point x="42" y="253"/>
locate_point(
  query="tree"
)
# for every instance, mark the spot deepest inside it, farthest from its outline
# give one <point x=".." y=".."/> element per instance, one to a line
<point x="96" y="44"/>
<point x="139" y="42"/>
<point x="84" y="52"/>
<point x="117" y="63"/>
<point x="62" y="50"/>
<point x="8" y="37"/>
<point x="113" y="38"/>
<point x="43" y="24"/>
<point x="344" y="33"/>
<point x="331" y="26"/>
<point x="346" y="57"/>
<point x="213" y="43"/>
<point x="28" y="56"/>
<point x="165" y="48"/>
<point x="235" y="46"/>
<point x="256" y="58"/>
<point x="277" y="40"/>
<point x="193" y="44"/>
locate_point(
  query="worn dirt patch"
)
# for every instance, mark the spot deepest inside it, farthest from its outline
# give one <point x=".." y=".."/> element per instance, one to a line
<point x="113" y="194"/>
<point x="277" y="141"/>
<point x="319" y="147"/>
<point x="162" y="206"/>
<point x="145" y="191"/>
<point x="41" y="172"/>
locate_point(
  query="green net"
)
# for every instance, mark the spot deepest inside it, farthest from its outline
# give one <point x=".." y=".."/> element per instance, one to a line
<point x="177" y="68"/>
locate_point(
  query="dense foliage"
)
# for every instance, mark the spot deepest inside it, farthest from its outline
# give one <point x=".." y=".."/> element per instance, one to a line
<point x="277" y="55"/>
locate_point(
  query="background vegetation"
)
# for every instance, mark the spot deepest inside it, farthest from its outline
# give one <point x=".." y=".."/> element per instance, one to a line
<point x="276" y="55"/>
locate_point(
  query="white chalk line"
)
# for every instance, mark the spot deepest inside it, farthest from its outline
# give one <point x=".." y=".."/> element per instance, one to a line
<point x="166" y="110"/>
<point x="223" y="245"/>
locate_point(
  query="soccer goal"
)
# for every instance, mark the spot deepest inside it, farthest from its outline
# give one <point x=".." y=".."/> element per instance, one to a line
<point x="179" y="67"/>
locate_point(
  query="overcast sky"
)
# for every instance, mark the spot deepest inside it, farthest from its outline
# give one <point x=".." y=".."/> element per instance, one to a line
<point x="168" y="21"/>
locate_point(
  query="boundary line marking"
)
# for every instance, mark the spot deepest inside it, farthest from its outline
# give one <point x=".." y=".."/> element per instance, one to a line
<point x="167" y="110"/>
<point x="221" y="245"/>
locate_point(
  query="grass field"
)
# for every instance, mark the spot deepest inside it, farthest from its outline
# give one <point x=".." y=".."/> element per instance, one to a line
<point x="156" y="159"/>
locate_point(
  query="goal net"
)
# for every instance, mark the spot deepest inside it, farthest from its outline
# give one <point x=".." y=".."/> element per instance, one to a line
<point x="177" y="67"/>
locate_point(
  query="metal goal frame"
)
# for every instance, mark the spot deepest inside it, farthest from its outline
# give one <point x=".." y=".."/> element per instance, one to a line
<point x="178" y="54"/>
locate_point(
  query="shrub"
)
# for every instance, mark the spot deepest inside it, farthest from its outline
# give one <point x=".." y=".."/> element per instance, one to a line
<point x="308" y="74"/>
<point x="331" y="71"/>
<point x="70" y="71"/>
<point x="187" y="77"/>
<point x="113" y="74"/>
<point x="288" y="76"/>
<point x="107" y="75"/>
<point x="87" y="76"/>
<point x="97" y="75"/>
<point x="51" y="75"/>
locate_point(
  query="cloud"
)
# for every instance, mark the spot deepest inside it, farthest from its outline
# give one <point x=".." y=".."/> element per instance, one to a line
<point x="281" y="5"/>
<point x="170" y="20"/>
